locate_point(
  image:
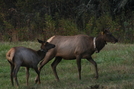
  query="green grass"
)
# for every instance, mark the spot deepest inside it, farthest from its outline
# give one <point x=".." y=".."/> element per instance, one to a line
<point x="115" y="65"/>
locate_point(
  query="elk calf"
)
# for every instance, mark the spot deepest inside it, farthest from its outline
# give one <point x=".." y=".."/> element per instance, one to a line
<point x="29" y="58"/>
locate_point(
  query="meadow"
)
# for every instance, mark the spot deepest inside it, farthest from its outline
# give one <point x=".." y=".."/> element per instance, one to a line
<point x="115" y="65"/>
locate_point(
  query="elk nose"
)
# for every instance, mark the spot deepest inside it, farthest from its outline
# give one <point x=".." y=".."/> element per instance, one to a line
<point x="53" y="46"/>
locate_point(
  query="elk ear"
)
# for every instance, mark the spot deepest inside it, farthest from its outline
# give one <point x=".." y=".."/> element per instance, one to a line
<point x="102" y="33"/>
<point x="40" y="41"/>
<point x="105" y="31"/>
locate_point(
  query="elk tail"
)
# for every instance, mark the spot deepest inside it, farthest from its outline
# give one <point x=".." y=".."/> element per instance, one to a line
<point x="10" y="54"/>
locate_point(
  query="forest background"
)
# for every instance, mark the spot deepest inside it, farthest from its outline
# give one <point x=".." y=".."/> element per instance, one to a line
<point x="27" y="20"/>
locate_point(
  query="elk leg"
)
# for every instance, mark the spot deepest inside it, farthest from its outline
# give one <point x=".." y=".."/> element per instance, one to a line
<point x="11" y="73"/>
<point x="95" y="65"/>
<point x="54" y="64"/>
<point x="16" y="69"/>
<point x="45" y="61"/>
<point x="78" y="59"/>
<point x="40" y="67"/>
<point x="27" y="74"/>
<point x="38" y="73"/>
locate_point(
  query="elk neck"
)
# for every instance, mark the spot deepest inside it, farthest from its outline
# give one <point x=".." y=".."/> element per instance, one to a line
<point x="98" y="43"/>
<point x="41" y="53"/>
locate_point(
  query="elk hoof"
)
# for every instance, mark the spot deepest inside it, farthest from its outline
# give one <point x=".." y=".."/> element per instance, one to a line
<point x="96" y="77"/>
<point x="58" y="80"/>
<point x="36" y="80"/>
<point x="39" y="82"/>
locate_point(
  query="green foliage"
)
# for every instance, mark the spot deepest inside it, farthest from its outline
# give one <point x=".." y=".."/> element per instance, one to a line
<point x="94" y="26"/>
<point x="59" y="27"/>
<point x="44" y="18"/>
<point x="8" y="25"/>
<point x="68" y="27"/>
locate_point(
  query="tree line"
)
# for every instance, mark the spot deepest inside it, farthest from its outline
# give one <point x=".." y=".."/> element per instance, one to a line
<point x="22" y="20"/>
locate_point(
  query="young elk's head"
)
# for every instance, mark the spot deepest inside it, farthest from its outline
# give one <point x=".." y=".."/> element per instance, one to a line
<point x="108" y="37"/>
<point x="45" y="46"/>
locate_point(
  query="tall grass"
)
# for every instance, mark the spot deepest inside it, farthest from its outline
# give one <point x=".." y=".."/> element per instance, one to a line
<point x="115" y="65"/>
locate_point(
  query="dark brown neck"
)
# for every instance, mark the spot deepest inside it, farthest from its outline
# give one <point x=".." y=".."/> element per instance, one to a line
<point x="100" y="43"/>
<point x="41" y="53"/>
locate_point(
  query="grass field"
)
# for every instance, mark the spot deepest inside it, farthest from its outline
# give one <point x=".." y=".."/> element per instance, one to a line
<point x="115" y="65"/>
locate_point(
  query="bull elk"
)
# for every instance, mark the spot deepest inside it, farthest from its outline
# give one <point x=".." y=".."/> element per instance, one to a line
<point x="76" y="47"/>
<point x="29" y="58"/>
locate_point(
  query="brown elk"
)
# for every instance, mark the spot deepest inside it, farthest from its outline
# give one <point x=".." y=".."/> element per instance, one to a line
<point x="29" y="58"/>
<point x="76" y="47"/>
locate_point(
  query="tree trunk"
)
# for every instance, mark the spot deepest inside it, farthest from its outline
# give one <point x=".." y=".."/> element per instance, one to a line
<point x="14" y="36"/>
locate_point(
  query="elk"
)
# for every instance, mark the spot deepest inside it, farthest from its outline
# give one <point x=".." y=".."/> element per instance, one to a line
<point x="27" y="57"/>
<point x="76" y="47"/>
